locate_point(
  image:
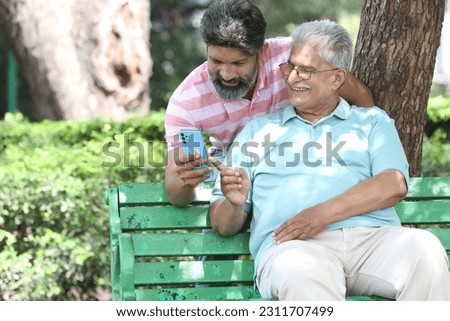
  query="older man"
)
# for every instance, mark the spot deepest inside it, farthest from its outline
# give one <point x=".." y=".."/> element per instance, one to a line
<point x="320" y="178"/>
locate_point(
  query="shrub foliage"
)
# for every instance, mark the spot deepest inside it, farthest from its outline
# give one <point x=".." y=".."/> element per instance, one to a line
<point x="54" y="227"/>
<point x="436" y="141"/>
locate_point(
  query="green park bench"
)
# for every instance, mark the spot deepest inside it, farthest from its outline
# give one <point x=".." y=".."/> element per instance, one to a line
<point x="155" y="247"/>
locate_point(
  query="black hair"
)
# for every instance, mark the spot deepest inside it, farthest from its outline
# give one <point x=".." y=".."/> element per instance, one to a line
<point x="234" y="23"/>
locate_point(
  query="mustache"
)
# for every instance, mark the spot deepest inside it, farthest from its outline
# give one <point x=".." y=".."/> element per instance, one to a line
<point x="220" y="79"/>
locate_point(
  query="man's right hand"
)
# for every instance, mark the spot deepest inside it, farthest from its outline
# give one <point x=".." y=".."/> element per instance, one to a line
<point x="181" y="177"/>
<point x="186" y="171"/>
<point x="234" y="183"/>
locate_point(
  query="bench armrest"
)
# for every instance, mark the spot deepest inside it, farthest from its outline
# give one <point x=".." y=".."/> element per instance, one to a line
<point x="126" y="260"/>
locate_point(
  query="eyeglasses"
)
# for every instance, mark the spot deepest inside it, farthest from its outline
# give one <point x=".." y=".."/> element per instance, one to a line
<point x="286" y="68"/>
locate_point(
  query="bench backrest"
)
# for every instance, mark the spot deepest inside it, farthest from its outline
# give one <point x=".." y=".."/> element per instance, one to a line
<point x="155" y="246"/>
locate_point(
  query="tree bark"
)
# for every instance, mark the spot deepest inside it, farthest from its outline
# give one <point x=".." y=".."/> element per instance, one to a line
<point x="82" y="58"/>
<point x="395" y="56"/>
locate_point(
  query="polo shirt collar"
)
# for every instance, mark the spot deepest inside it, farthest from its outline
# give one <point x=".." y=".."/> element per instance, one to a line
<point x="342" y="111"/>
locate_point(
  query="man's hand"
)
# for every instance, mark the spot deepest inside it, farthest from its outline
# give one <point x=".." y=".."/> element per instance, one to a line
<point x="185" y="169"/>
<point x="380" y="191"/>
<point x="234" y="183"/>
<point x="302" y="226"/>
<point x="182" y="178"/>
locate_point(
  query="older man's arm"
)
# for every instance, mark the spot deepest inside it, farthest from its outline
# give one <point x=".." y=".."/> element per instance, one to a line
<point x="226" y="218"/>
<point x="383" y="190"/>
<point x="228" y="215"/>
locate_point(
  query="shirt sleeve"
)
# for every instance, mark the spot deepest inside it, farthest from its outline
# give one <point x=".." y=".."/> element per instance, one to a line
<point x="176" y="118"/>
<point x="385" y="148"/>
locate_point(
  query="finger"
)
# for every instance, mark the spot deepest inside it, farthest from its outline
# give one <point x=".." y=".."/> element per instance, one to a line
<point x="282" y="233"/>
<point x="242" y="173"/>
<point x="217" y="163"/>
<point x="280" y="238"/>
<point x="192" y="169"/>
<point x="280" y="230"/>
<point x="204" y="161"/>
<point x="181" y="159"/>
<point x="230" y="178"/>
<point x="230" y="188"/>
<point x="200" y="161"/>
<point x="194" y="181"/>
<point x="186" y="168"/>
<point x="204" y="171"/>
<point x="197" y="161"/>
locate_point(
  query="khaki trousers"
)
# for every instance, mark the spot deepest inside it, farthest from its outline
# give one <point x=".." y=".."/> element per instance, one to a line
<point x="394" y="262"/>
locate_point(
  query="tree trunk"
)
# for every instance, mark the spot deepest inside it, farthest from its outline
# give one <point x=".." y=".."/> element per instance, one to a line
<point x="395" y="56"/>
<point x="82" y="58"/>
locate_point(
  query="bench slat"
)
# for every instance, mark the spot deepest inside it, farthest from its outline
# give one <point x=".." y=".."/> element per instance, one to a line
<point x="142" y="193"/>
<point x="429" y="187"/>
<point x="187" y="244"/>
<point x="424" y="212"/>
<point x="221" y="293"/>
<point x="443" y="234"/>
<point x="194" y="272"/>
<point x="164" y="217"/>
<point x="216" y="271"/>
<point x="155" y="193"/>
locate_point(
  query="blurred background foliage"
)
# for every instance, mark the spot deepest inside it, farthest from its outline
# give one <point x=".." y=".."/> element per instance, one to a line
<point x="177" y="47"/>
<point x="54" y="228"/>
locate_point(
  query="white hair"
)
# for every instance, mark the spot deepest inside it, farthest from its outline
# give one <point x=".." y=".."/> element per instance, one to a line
<point x="331" y="41"/>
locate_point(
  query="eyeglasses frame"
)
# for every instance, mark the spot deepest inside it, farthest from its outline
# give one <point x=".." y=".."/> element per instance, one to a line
<point x="296" y="68"/>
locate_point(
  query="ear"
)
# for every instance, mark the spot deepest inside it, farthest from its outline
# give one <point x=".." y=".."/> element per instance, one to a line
<point x="339" y="79"/>
<point x="262" y="51"/>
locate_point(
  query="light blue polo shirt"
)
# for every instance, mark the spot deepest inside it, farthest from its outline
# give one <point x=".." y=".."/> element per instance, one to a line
<point x="294" y="164"/>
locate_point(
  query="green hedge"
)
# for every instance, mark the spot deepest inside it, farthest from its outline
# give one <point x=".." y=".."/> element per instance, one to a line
<point x="436" y="154"/>
<point x="436" y="142"/>
<point x="54" y="229"/>
<point x="438" y="113"/>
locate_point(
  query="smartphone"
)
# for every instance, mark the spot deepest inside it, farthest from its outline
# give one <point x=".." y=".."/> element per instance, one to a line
<point x="192" y="143"/>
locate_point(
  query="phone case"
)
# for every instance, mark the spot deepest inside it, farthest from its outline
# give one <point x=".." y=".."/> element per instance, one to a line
<point x="192" y="143"/>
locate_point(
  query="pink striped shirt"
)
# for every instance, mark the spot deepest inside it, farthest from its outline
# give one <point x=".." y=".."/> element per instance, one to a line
<point x="196" y="105"/>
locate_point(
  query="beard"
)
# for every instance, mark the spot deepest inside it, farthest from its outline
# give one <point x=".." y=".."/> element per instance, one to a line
<point x="244" y="84"/>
